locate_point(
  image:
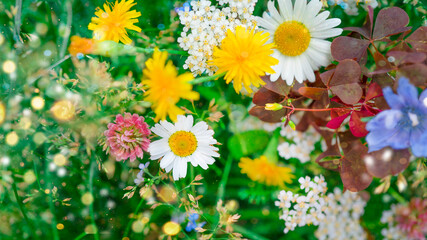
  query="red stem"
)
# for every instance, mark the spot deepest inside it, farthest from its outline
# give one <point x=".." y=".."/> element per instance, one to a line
<point x="313" y="110"/>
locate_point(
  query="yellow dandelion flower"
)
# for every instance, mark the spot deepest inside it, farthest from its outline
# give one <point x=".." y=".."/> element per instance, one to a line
<point x="263" y="171"/>
<point x="164" y="87"/>
<point x="112" y="23"/>
<point x="245" y="57"/>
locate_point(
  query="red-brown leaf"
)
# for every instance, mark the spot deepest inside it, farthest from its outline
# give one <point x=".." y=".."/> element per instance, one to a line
<point x="348" y="48"/>
<point x="386" y="162"/>
<point x="415" y="72"/>
<point x="279" y="86"/>
<point x="312" y="92"/>
<point x="418" y="39"/>
<point x="402" y="57"/>
<point x="348" y="93"/>
<point x="353" y="170"/>
<point x="389" y="22"/>
<point x="264" y="96"/>
<point x="268" y="116"/>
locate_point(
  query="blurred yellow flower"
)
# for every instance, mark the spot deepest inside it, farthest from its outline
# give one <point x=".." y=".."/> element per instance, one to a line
<point x="245" y="57"/>
<point x="164" y="87"/>
<point x="112" y="23"/>
<point x="81" y="45"/>
<point x="2" y="112"/>
<point x="263" y="171"/>
<point x="171" y="228"/>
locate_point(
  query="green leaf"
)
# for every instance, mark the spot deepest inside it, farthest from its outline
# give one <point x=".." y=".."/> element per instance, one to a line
<point x="249" y="142"/>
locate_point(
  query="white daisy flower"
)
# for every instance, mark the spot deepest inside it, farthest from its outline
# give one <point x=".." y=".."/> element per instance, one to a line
<point x="182" y="143"/>
<point x="298" y="32"/>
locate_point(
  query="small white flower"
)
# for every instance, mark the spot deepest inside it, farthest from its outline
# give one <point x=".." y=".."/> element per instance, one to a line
<point x="182" y="143"/>
<point x="305" y="183"/>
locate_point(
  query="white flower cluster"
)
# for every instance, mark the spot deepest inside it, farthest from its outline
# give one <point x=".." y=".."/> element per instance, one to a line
<point x="205" y="26"/>
<point x="392" y="232"/>
<point x="342" y="217"/>
<point x="351" y="6"/>
<point x="301" y="210"/>
<point x="303" y="144"/>
<point x="337" y="214"/>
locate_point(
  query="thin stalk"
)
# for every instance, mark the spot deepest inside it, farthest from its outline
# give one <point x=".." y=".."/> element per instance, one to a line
<point x="207" y="79"/>
<point x="91" y="212"/>
<point x="51" y="205"/>
<point x="248" y="233"/>
<point x="36" y="172"/>
<point x="21" y="207"/>
<point x="131" y="221"/>
<point x="18" y="22"/>
<point x="397" y="196"/>
<point x="224" y="179"/>
<point x="314" y="110"/>
<point x="69" y="8"/>
<point x="81" y="236"/>
<point x="151" y="50"/>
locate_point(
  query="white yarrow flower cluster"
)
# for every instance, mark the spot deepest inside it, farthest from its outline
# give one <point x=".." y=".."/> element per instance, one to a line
<point x="302" y="146"/>
<point x="342" y="217"/>
<point x="392" y="231"/>
<point x="300" y="210"/>
<point x="205" y="26"/>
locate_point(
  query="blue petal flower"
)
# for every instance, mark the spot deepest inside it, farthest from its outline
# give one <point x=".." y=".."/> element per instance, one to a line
<point x="192" y="225"/>
<point x="407" y="91"/>
<point x="404" y="125"/>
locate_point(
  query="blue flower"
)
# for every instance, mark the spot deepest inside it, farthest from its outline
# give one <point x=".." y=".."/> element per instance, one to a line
<point x="140" y="178"/>
<point x="192" y="225"/>
<point x="402" y="126"/>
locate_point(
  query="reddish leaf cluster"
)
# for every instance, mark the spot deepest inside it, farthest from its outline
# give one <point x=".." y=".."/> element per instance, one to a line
<point x="369" y="58"/>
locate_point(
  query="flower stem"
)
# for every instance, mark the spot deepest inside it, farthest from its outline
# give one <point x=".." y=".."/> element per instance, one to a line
<point x="21" y="207"/>
<point x="51" y="204"/>
<point x="314" y="110"/>
<point x="134" y="214"/>
<point x="206" y="79"/>
<point x="91" y="212"/>
<point x="151" y="50"/>
<point x="224" y="179"/>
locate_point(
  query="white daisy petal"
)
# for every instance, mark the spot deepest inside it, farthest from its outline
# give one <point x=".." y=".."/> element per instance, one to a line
<point x="319" y="19"/>
<point x="299" y="74"/>
<point x="266" y="24"/>
<point x="167" y="159"/>
<point x="308" y="71"/>
<point x="299" y="9"/>
<point x="286" y="9"/>
<point x="313" y="8"/>
<point x="327" y="33"/>
<point x="327" y="24"/>
<point x="274" y="13"/>
<point x="321" y="45"/>
<point x="160" y="130"/>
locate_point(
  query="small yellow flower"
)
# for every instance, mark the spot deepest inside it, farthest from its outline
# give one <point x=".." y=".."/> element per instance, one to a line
<point x="263" y="171"/>
<point x="245" y="57"/>
<point x="112" y="23"/>
<point x="164" y="87"/>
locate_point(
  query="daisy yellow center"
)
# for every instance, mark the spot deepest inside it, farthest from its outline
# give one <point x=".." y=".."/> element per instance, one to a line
<point x="183" y="143"/>
<point x="292" y="38"/>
